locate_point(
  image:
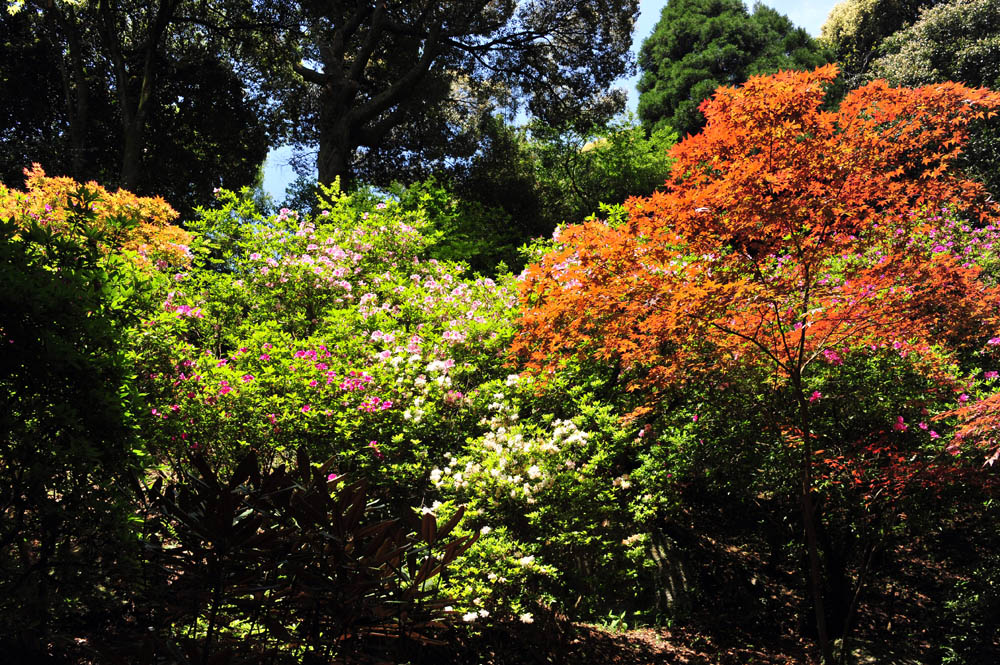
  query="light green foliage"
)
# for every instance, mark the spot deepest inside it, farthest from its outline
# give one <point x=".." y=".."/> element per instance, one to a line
<point x="551" y="478"/>
<point x="328" y="332"/>
<point x="577" y="172"/>
<point x="855" y="29"/>
<point x="527" y="180"/>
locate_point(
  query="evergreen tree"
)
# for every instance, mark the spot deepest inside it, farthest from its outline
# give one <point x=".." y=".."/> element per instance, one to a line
<point x="699" y="45"/>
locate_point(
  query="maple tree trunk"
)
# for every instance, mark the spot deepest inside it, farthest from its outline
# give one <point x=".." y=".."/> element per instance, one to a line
<point x="812" y="546"/>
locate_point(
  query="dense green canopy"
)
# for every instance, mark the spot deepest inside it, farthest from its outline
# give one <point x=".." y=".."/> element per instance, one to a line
<point x="698" y="45"/>
<point x="139" y="95"/>
<point x="388" y="89"/>
<point x="855" y="30"/>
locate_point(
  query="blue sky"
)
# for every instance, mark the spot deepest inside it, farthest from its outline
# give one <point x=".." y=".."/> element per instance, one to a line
<point x="809" y="15"/>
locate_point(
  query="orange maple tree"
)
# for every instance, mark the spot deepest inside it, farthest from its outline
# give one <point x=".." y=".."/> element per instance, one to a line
<point x="785" y="232"/>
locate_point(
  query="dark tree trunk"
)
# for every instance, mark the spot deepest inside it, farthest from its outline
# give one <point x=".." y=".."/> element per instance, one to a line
<point x="76" y="86"/>
<point x="132" y="147"/>
<point x="335" y="149"/>
<point x="809" y="518"/>
<point x="134" y="108"/>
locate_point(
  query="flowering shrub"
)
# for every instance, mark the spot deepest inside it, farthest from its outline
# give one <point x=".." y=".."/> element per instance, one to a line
<point x="319" y="331"/>
<point x="333" y="333"/>
<point x="548" y="484"/>
<point x="125" y="221"/>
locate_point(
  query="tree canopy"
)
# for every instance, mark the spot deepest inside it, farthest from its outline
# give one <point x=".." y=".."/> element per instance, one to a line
<point x="952" y="41"/>
<point x="699" y="45"/>
<point x="139" y="95"/>
<point x="391" y="88"/>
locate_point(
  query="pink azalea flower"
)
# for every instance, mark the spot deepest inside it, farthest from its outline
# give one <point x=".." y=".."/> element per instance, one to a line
<point x="832" y="357"/>
<point x="815" y="396"/>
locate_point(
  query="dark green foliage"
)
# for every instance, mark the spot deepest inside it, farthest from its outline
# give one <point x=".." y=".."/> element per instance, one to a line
<point x="525" y="181"/>
<point x="973" y="613"/>
<point x="144" y="97"/>
<point x="952" y="41"/>
<point x="699" y="45"/>
<point x="66" y="463"/>
<point x="205" y="133"/>
<point x="390" y="91"/>
<point x="284" y="566"/>
<point x="45" y="118"/>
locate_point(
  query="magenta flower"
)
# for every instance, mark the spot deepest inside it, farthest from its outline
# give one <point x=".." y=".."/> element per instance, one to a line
<point x="815" y="396"/>
<point x="899" y="425"/>
<point x="832" y="357"/>
<point x="992" y="374"/>
<point x="305" y="408"/>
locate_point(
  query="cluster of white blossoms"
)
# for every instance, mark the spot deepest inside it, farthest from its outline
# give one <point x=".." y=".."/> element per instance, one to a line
<point x="513" y="459"/>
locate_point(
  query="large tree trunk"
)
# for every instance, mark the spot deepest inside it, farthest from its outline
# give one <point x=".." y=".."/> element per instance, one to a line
<point x="674" y="586"/>
<point x="337" y="140"/>
<point x="335" y="152"/>
<point x="134" y="108"/>
<point x="132" y="149"/>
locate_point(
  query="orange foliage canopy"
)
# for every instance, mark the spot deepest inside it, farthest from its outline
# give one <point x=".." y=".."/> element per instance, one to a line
<point x="151" y="235"/>
<point x="784" y="231"/>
